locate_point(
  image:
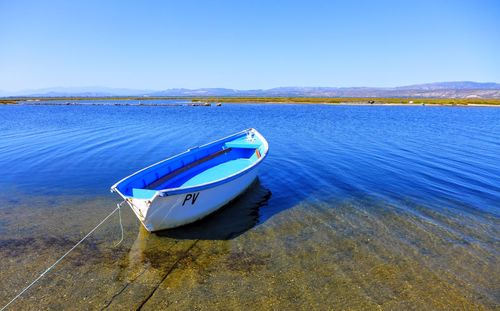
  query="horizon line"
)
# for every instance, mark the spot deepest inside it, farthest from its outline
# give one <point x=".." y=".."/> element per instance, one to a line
<point x="238" y="89"/>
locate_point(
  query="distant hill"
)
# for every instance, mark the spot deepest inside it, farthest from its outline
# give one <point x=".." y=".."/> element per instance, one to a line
<point x="461" y="89"/>
<point x="461" y="85"/>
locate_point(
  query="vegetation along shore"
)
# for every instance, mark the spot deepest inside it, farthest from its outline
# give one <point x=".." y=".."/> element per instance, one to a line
<point x="271" y="100"/>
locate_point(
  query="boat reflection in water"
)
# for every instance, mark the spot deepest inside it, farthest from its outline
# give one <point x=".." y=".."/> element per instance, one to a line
<point x="227" y="223"/>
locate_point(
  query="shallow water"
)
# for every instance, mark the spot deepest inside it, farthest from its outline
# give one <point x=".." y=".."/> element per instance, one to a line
<point x="356" y="207"/>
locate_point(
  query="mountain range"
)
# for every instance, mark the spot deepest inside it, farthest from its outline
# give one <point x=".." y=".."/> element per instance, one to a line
<point x="461" y="89"/>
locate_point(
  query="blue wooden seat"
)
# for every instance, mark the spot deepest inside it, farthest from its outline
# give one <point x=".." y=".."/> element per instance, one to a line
<point x="143" y="193"/>
<point x="242" y="142"/>
<point x="218" y="172"/>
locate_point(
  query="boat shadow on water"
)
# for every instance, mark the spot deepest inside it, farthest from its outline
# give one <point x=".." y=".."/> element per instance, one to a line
<point x="230" y="221"/>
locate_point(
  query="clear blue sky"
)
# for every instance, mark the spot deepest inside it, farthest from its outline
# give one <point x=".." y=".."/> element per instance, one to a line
<point x="246" y="44"/>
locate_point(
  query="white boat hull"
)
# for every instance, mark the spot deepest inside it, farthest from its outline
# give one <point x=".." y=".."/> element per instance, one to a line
<point x="188" y="186"/>
<point x="165" y="212"/>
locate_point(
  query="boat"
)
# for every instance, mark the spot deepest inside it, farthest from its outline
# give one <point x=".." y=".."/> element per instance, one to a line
<point x="193" y="184"/>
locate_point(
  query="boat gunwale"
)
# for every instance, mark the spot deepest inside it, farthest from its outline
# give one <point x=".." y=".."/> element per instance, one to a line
<point x="181" y="190"/>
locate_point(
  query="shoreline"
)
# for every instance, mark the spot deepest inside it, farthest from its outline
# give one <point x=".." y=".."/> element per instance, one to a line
<point x="199" y="101"/>
<point x="367" y="104"/>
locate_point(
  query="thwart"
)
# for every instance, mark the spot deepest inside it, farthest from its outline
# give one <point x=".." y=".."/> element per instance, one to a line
<point x="189" y="186"/>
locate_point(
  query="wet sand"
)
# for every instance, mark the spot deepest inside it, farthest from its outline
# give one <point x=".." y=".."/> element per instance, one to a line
<point x="351" y="254"/>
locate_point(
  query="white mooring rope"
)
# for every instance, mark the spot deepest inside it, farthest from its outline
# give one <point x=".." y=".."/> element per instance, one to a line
<point x="121" y="225"/>
<point x="118" y="206"/>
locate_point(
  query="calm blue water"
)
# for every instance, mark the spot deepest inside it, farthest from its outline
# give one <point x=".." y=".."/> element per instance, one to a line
<point x="422" y="165"/>
<point x="444" y="157"/>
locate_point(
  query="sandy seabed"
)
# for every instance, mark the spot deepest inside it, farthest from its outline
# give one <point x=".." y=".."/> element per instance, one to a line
<point x="358" y="255"/>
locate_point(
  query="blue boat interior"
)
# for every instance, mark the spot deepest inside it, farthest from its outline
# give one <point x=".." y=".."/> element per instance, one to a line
<point x="197" y="166"/>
